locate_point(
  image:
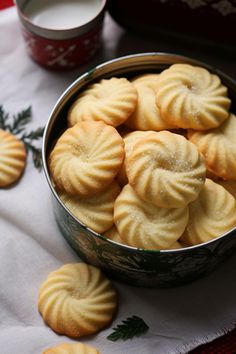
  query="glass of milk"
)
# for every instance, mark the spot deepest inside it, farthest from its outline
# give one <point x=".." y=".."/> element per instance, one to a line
<point x="61" y="34"/>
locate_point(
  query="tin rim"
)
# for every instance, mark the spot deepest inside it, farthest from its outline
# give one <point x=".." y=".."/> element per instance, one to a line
<point x="87" y="77"/>
<point x="60" y="34"/>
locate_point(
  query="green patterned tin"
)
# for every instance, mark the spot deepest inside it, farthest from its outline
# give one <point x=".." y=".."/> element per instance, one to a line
<point x="149" y="268"/>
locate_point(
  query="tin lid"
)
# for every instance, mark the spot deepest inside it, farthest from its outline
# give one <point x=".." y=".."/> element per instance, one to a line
<point x="58" y="34"/>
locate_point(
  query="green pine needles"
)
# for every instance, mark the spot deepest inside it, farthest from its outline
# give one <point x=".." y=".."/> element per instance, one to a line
<point x="17" y="126"/>
<point x="133" y="326"/>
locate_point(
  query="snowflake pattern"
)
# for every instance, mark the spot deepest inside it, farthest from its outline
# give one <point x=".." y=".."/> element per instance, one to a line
<point x="59" y="56"/>
<point x="62" y="54"/>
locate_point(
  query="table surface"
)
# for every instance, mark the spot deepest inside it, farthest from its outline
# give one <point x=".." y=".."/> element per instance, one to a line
<point x="129" y="43"/>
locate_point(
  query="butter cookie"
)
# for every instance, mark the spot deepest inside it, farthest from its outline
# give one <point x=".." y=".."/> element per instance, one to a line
<point x="86" y="158"/>
<point x="191" y="97"/>
<point x="96" y="212"/>
<point x="230" y="186"/>
<point x="166" y="169"/>
<point x="72" y="348"/>
<point x="12" y="158"/>
<point x="211" y="215"/>
<point x="110" y="100"/>
<point x="218" y="146"/>
<point x="77" y="300"/>
<point x="147" y="115"/>
<point x="129" y="140"/>
<point x="114" y="235"/>
<point x="145" y="225"/>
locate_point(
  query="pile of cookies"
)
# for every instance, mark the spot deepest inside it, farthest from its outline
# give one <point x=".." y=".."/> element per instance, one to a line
<point x="149" y="161"/>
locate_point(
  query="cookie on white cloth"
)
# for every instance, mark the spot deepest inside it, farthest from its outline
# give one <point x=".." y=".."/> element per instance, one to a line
<point x="12" y="158"/>
<point x="77" y="300"/>
<point x="71" y="348"/>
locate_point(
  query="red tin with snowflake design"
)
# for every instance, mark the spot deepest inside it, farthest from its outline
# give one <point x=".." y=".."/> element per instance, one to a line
<point x="63" y="48"/>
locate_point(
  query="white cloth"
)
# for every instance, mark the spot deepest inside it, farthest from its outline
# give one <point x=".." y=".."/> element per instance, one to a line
<point x="31" y="245"/>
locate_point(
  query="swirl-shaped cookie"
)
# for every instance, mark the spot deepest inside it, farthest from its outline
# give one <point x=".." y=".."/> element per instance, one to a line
<point x="86" y="158"/>
<point x="191" y="97"/>
<point x="146" y="115"/>
<point x="211" y="215"/>
<point x="114" y="235"/>
<point x="109" y="100"/>
<point x="12" y="158"/>
<point x="96" y="212"/>
<point x="72" y="348"/>
<point x="130" y="140"/>
<point x="166" y="169"/>
<point x="77" y="300"/>
<point x="176" y="245"/>
<point x="149" y="79"/>
<point x="230" y="186"/>
<point x="145" y="225"/>
<point x="218" y="147"/>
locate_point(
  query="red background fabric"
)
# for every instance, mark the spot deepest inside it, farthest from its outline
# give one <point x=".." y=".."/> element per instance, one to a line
<point x="222" y="345"/>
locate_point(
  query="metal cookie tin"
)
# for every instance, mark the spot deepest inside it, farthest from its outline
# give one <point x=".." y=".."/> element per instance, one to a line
<point x="59" y="49"/>
<point x="139" y="267"/>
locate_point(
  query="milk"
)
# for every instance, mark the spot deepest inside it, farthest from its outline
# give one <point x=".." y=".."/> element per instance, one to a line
<point x="61" y="14"/>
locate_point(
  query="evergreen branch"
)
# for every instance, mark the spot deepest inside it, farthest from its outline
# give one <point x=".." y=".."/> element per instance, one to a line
<point x="131" y="327"/>
<point x="33" y="135"/>
<point x="27" y="138"/>
<point x="3" y="118"/>
<point x="18" y="126"/>
<point x="36" y="154"/>
<point x="20" y="120"/>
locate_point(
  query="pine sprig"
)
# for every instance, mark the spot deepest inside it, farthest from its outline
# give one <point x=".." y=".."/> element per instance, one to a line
<point x="20" y="120"/>
<point x="17" y="127"/>
<point x="3" y="119"/>
<point x="33" y="135"/>
<point x="131" y="327"/>
<point x="36" y="154"/>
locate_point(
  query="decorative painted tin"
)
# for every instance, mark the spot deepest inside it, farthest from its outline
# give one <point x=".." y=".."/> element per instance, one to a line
<point x="62" y="48"/>
<point x="139" y="267"/>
